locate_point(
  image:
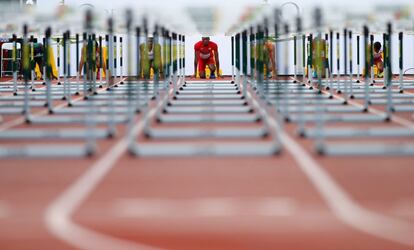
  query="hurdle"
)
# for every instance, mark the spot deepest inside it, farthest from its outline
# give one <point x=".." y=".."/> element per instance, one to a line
<point x="345" y="92"/>
<point x="401" y="83"/>
<point x="351" y="75"/>
<point x="361" y="133"/>
<point x="14" y="64"/>
<point x="32" y="62"/>
<point x="38" y="150"/>
<point x="372" y="59"/>
<point x="115" y="51"/>
<point x="202" y="114"/>
<point x="252" y="39"/>
<point x="48" y="71"/>
<point x="355" y="118"/>
<point x="331" y="62"/>
<point x="358" y="60"/>
<point x="178" y="52"/>
<point x="58" y="60"/>
<point x="232" y="58"/>
<point x="364" y="149"/>
<point x="203" y="103"/>
<point x="284" y="109"/>
<point x="367" y="96"/>
<point x="301" y="103"/>
<point x="341" y="109"/>
<point x="338" y="73"/>
<point x="192" y="149"/>
<point x="275" y="146"/>
<point x="111" y="72"/>
<point x="93" y="110"/>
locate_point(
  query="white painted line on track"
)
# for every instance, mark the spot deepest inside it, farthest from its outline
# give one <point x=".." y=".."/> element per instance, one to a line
<point x="211" y="207"/>
<point x="404" y="207"/>
<point x="58" y="216"/>
<point x="59" y="222"/>
<point x="214" y="208"/>
<point x="342" y="205"/>
<point x="4" y="209"/>
<point x="278" y="207"/>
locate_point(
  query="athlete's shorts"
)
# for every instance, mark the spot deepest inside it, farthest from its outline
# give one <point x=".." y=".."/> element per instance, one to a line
<point x="203" y="63"/>
<point x="377" y="60"/>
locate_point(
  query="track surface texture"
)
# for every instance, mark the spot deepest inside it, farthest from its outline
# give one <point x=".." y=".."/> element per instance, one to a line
<point x="293" y="198"/>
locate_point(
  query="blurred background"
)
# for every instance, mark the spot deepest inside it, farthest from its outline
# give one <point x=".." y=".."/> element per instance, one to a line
<point x="215" y="18"/>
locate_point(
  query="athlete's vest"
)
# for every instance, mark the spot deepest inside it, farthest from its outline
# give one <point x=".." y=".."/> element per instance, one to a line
<point x="205" y="52"/>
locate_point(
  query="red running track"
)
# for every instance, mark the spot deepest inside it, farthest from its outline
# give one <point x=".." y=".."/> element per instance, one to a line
<point x="295" y="200"/>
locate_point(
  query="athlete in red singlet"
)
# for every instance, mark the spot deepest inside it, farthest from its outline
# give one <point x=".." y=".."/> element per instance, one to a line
<point x="206" y="53"/>
<point x="378" y="61"/>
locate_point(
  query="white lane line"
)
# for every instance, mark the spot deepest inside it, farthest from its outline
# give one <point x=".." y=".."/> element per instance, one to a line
<point x="280" y="207"/>
<point x="404" y="207"/>
<point x="58" y="214"/>
<point x="212" y="207"/>
<point x="4" y="210"/>
<point x="139" y="208"/>
<point x="341" y="204"/>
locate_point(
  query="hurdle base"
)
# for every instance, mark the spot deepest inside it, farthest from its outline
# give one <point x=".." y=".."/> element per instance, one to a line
<point x="56" y="134"/>
<point x="194" y="149"/>
<point x="45" y="151"/>
<point x="206" y="133"/>
<point x="247" y="118"/>
<point x="359" y="133"/>
<point x="367" y="149"/>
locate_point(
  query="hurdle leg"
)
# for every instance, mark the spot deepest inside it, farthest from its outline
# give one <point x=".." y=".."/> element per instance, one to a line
<point x="32" y="63"/>
<point x="301" y="122"/>
<point x="390" y="106"/>
<point x="65" y="80"/>
<point x="183" y="37"/>
<point x="372" y="60"/>
<point x="109" y="80"/>
<point x="244" y="61"/>
<point x="48" y="72"/>
<point x="89" y="119"/>
<point x="26" y="61"/>
<point x="295" y="67"/>
<point x="77" y="64"/>
<point x="366" y="78"/>
<point x="401" y="62"/>
<point x="14" y="64"/>
<point x="303" y="58"/>
<point x="310" y="63"/>
<point x="338" y="73"/>
<point x="331" y="64"/>
<point x="121" y="56"/>
<point x="358" y="67"/>
<point x="351" y="75"/>
<point x="100" y="62"/>
<point x="58" y="65"/>
<point x="319" y="143"/>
